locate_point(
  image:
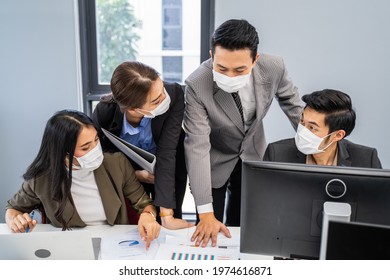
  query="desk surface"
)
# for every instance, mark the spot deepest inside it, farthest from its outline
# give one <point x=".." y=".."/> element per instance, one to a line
<point x="107" y="233"/>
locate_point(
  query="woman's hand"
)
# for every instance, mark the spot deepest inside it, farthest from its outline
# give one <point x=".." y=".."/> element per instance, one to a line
<point x="148" y="228"/>
<point x="18" y="221"/>
<point x="144" y="176"/>
<point x="169" y="222"/>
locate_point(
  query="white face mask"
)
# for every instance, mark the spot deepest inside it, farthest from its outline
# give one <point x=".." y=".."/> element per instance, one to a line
<point x="160" y="109"/>
<point x="307" y="142"/>
<point x="231" y="84"/>
<point x="91" y="160"/>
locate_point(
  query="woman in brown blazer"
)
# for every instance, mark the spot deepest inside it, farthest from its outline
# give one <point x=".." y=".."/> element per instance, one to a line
<point x="91" y="192"/>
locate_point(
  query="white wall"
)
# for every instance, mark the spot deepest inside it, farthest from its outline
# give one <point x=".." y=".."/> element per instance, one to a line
<point x="38" y="76"/>
<point x="327" y="44"/>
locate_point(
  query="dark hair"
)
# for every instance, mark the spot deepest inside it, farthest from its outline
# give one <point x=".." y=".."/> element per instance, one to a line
<point x="337" y="107"/>
<point x="236" y="34"/>
<point x="59" y="140"/>
<point x="131" y="83"/>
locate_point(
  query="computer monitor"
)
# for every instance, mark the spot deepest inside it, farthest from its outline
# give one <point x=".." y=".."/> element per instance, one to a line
<point x="281" y="204"/>
<point x="357" y="241"/>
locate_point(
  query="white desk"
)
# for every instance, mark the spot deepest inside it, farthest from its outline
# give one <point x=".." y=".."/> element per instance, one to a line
<point x="106" y="232"/>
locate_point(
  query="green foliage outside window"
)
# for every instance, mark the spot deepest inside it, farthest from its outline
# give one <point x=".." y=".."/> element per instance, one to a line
<point x="117" y="35"/>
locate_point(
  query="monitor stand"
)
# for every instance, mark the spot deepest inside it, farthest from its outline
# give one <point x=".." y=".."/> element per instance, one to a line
<point x="333" y="211"/>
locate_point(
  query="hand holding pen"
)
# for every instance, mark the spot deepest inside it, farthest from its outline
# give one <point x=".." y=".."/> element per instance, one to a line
<point x="32" y="220"/>
<point x="20" y="222"/>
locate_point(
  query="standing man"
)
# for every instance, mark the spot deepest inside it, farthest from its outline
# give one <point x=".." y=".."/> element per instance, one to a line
<point x="227" y="98"/>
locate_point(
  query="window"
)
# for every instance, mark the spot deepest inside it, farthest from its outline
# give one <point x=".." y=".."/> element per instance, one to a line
<point x="172" y="68"/>
<point x="172" y="25"/>
<point x="165" y="34"/>
<point x="168" y="35"/>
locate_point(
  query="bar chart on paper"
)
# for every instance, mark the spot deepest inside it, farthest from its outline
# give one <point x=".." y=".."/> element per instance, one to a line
<point x="183" y="252"/>
<point x="186" y="256"/>
<point x="198" y="257"/>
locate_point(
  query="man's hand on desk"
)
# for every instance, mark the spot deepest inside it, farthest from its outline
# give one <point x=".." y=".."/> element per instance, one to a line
<point x="148" y="228"/>
<point x="170" y="222"/>
<point x="207" y="227"/>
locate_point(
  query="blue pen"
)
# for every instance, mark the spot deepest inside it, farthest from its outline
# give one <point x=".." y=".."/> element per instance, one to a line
<point x="32" y="218"/>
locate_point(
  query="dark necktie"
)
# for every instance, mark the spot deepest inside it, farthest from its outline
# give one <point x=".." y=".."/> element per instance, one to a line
<point x="237" y="99"/>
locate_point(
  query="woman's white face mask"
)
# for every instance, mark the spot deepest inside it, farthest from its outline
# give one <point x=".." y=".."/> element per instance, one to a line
<point x="308" y="143"/>
<point x="91" y="160"/>
<point x="160" y="109"/>
<point x="231" y="84"/>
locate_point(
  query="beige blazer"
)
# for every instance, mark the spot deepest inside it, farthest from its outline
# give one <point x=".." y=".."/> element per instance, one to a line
<point x="115" y="180"/>
<point x="215" y="136"/>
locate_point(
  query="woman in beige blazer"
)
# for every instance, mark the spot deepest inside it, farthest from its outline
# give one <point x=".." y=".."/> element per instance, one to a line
<point x="91" y="192"/>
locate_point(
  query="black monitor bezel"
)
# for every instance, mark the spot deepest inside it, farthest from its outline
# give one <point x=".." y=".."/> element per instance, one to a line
<point x="334" y="170"/>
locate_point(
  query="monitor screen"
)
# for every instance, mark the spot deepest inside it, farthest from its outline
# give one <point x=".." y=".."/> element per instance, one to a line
<point x="281" y="204"/>
<point x="357" y="241"/>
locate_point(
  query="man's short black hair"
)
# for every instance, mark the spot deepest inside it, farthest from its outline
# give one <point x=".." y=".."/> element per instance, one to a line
<point x="236" y="34"/>
<point x="337" y="107"/>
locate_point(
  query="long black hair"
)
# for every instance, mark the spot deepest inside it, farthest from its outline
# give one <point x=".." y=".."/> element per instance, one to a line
<point x="59" y="140"/>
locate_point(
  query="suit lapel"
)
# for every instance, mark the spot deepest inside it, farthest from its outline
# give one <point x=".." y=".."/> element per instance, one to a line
<point x="117" y="122"/>
<point x="226" y="101"/>
<point x="301" y="158"/>
<point x="261" y="86"/>
<point x="110" y="199"/>
<point x="342" y="154"/>
<point x="158" y="122"/>
<point x="71" y="213"/>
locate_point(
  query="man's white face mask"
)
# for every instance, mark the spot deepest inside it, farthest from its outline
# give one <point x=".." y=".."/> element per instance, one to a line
<point x="231" y="84"/>
<point x="308" y="143"/>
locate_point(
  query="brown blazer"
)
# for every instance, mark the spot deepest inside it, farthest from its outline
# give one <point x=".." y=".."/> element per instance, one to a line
<point x="115" y="179"/>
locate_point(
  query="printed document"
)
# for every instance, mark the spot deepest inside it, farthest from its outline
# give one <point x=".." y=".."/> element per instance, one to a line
<point x="127" y="246"/>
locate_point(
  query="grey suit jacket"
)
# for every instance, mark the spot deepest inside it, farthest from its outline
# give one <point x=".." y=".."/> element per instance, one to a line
<point x="215" y="138"/>
<point x="348" y="154"/>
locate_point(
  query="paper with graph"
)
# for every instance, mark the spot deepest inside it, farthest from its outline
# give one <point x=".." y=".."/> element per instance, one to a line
<point x="127" y="246"/>
<point x="185" y="252"/>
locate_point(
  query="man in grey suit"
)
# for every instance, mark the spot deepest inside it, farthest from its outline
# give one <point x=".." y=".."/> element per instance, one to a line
<point x="227" y="98"/>
<point x="326" y="120"/>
